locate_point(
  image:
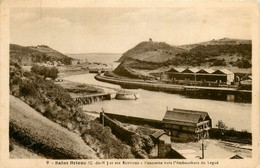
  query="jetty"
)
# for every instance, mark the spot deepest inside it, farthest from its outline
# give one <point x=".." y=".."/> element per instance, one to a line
<point x="90" y="98"/>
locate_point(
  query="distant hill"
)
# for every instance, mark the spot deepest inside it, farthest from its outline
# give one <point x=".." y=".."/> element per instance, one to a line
<point x="32" y="54"/>
<point x="153" y="55"/>
<point x="151" y="51"/>
<point x="223" y="41"/>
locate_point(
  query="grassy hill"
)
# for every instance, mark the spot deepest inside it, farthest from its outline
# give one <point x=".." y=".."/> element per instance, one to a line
<point x="232" y="53"/>
<point x="40" y="134"/>
<point x="152" y="52"/>
<point x="29" y="55"/>
<point x="223" y="41"/>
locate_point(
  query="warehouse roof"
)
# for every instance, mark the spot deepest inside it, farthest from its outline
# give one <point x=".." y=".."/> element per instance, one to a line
<point x="222" y="71"/>
<point x="206" y="70"/>
<point x="177" y="69"/>
<point x="191" y="70"/>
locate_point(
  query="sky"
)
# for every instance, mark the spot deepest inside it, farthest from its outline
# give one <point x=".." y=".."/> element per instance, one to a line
<point x="115" y="30"/>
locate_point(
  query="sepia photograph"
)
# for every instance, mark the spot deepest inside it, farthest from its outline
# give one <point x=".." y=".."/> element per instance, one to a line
<point x="130" y="82"/>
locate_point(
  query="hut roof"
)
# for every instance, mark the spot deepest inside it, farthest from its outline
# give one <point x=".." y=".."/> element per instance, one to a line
<point x="236" y="157"/>
<point x="183" y="117"/>
<point x="158" y="134"/>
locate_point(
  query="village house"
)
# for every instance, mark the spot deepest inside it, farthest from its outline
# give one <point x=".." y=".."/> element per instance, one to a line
<point x="187" y="125"/>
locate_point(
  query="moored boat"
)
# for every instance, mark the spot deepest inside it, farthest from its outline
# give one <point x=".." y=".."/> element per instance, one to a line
<point x="125" y="95"/>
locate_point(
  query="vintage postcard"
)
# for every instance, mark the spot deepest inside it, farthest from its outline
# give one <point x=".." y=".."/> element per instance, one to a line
<point x="129" y="83"/>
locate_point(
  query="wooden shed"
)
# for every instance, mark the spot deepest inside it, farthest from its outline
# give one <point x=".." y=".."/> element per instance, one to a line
<point x="186" y="124"/>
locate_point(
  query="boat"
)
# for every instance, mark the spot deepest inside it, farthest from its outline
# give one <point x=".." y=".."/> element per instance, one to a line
<point x="126" y="95"/>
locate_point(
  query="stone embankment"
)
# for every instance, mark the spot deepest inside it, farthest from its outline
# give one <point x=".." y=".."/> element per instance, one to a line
<point x="156" y="86"/>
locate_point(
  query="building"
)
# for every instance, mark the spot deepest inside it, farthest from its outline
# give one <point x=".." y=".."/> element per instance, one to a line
<point x="174" y="74"/>
<point x="224" y="76"/>
<point x="200" y="76"/>
<point x="246" y="83"/>
<point x="186" y="125"/>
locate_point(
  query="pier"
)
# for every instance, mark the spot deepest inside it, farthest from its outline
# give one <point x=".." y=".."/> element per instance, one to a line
<point x="90" y="98"/>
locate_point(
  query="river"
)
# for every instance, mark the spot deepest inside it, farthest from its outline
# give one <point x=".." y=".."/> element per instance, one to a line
<point x="153" y="105"/>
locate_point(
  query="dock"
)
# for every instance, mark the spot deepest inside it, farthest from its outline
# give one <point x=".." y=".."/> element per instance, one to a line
<point x="90" y="98"/>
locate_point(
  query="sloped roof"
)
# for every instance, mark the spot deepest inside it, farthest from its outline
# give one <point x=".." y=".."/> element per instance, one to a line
<point x="236" y="157"/>
<point x="190" y="70"/>
<point x="206" y="70"/>
<point x="179" y="69"/>
<point x="194" y="70"/>
<point x="222" y="71"/>
<point x="249" y="77"/>
<point x="176" y="69"/>
<point x="172" y="70"/>
<point x="177" y="116"/>
<point x="158" y="134"/>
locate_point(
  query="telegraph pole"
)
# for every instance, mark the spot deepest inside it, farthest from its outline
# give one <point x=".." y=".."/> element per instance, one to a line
<point x="202" y="146"/>
<point x="103" y="118"/>
<point x="202" y="127"/>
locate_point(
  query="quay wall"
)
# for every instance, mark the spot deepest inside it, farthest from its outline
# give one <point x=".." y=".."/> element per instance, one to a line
<point x="92" y="98"/>
<point x="135" y="120"/>
<point x="117" y="129"/>
<point x="178" y="133"/>
<point x="164" y="147"/>
<point x="215" y="93"/>
<point x="142" y="85"/>
<point x="164" y="87"/>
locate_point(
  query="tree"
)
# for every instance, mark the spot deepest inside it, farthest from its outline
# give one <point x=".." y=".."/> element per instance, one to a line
<point x="45" y="71"/>
<point x="53" y="73"/>
<point x="221" y="125"/>
<point x="243" y="63"/>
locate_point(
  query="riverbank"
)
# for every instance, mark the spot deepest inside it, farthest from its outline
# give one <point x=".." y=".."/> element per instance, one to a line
<point x="219" y="93"/>
<point x="89" y="78"/>
<point x="52" y="102"/>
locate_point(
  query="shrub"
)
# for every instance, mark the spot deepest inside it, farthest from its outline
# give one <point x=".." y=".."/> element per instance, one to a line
<point x="27" y="89"/>
<point x="243" y="63"/>
<point x="45" y="71"/>
<point x="219" y="63"/>
<point x="221" y="125"/>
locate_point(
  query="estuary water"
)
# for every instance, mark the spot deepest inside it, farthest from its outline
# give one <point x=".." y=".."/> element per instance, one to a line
<point x="153" y="105"/>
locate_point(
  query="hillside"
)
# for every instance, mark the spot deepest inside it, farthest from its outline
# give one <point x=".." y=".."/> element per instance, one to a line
<point x="29" y="55"/>
<point x="223" y="41"/>
<point x="152" y="52"/>
<point x="54" y="102"/>
<point x="43" y="136"/>
<point x="232" y="53"/>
